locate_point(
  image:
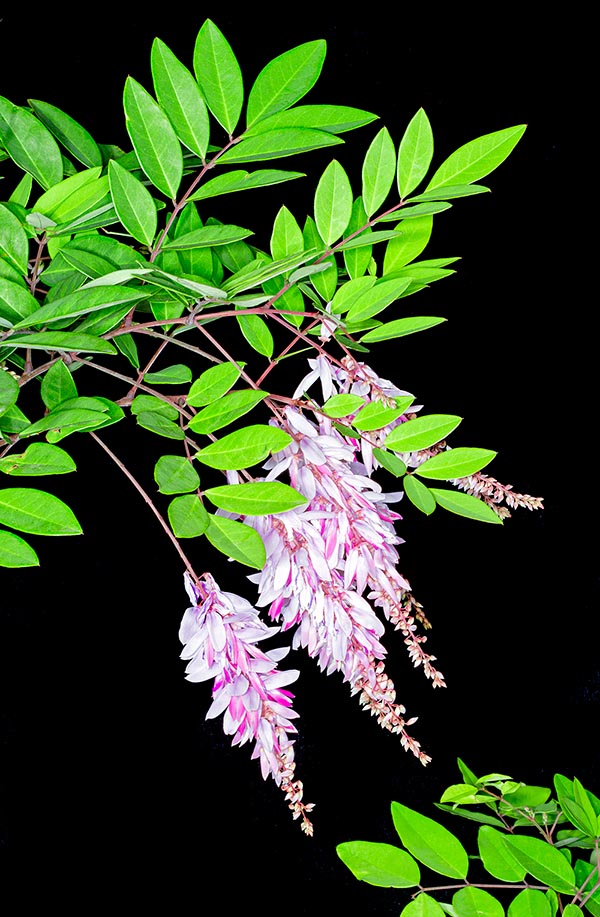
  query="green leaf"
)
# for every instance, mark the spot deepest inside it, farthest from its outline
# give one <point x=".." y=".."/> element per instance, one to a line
<point x="187" y="516"/>
<point x="449" y="192"/>
<point x="36" y="512"/>
<point x="342" y="405"/>
<point x="368" y="237"/>
<point x="284" y="141"/>
<point x="357" y="261"/>
<point x="463" y="794"/>
<point x="335" y="119"/>
<point x="419" y="495"/>
<point x="465" y="505"/>
<point x="401" y="327"/>
<point x="333" y="203"/>
<point x="423" y="906"/>
<point x="467" y="774"/>
<point x="125" y="344"/>
<point x="455" y="463"/>
<point x="219" y="75"/>
<point x="544" y="862"/>
<point x="378" y="170"/>
<point x="143" y="403"/>
<point x="244" y="447"/>
<point x="285" y="79"/>
<point x="74" y="420"/>
<point x="38" y="459"/>
<point x="379" y="864"/>
<point x="22" y="191"/>
<point x="159" y="424"/>
<point x="214" y="383"/>
<point x="30" y="144"/>
<point x="476" y="902"/>
<point x="57" y="385"/>
<point x="175" y="475"/>
<point x="75" y="139"/>
<point x="472" y="816"/>
<point x="256" y="331"/>
<point x="257" y="498"/>
<point x="497" y="856"/>
<point x="348" y="293"/>
<point x="68" y="342"/>
<point x="390" y="462"/>
<point x="286" y="236"/>
<point x="572" y="910"/>
<point x="13" y="420"/>
<point x="227" y="409"/>
<point x="580" y="806"/>
<point x="375" y="300"/>
<point x="586" y="876"/>
<point x="180" y="98"/>
<point x="15" y="552"/>
<point x="208" y="236"/>
<point x="236" y="540"/>
<point x="133" y="203"/>
<point x="154" y="140"/>
<point x="74" y="196"/>
<point x="430" y="843"/>
<point x="421" y="432"/>
<point x="14" y="244"/>
<point x="405" y="248"/>
<point x="177" y="374"/>
<point x="240" y="180"/>
<point x="86" y="299"/>
<point x="477" y="158"/>
<point x="530" y="796"/>
<point x="376" y="414"/>
<point x="531" y="902"/>
<point x="415" y="153"/>
<point x="9" y="390"/>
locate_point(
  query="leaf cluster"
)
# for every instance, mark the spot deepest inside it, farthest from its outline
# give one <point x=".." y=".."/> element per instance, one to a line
<point x="539" y="848"/>
<point x="111" y="258"/>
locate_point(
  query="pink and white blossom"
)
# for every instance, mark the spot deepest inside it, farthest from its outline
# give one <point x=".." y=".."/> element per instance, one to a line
<point x="219" y="632"/>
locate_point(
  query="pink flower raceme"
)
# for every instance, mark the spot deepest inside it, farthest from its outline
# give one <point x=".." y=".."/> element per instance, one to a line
<point x="220" y="632"/>
<point x="322" y="557"/>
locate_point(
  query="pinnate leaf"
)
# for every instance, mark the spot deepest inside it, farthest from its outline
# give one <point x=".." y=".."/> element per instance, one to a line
<point x="36" y="512"/>
<point x="421" y="432"/>
<point x="544" y="862"/>
<point x="531" y="902"/>
<point x="153" y="138"/>
<point x="430" y="843"/>
<point x="285" y="80"/>
<point x="465" y="505"/>
<point x="214" y="383"/>
<point x="476" y="902"/>
<point x="244" y="447"/>
<point x="38" y="459"/>
<point x="230" y="407"/>
<point x="15" y="552"/>
<point x="175" y="474"/>
<point x="455" y="463"/>
<point x="477" y="158"/>
<point x="187" y="516"/>
<point x="257" y="498"/>
<point x="219" y="76"/>
<point x="379" y="864"/>
<point x="236" y="540"/>
<point x="378" y="171"/>
<point x="415" y="153"/>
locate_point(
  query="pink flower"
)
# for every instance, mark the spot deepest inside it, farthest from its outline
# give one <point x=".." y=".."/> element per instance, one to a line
<point x="220" y="632"/>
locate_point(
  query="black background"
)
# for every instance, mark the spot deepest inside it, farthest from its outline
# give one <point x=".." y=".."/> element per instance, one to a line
<point x="113" y="784"/>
